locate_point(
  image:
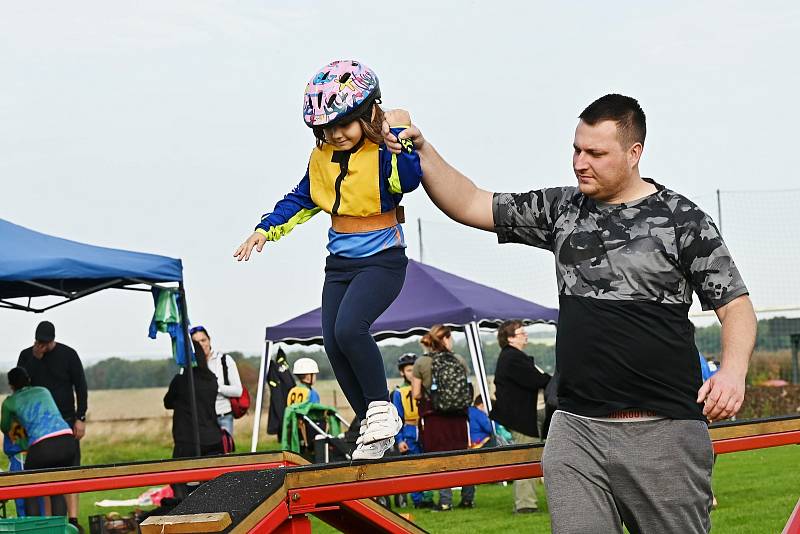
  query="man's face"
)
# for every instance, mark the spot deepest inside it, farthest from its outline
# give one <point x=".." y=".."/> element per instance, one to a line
<point x="40" y="348"/>
<point x="603" y="168"/>
<point x="204" y="341"/>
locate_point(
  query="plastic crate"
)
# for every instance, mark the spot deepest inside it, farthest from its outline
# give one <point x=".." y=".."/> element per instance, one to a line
<point x="40" y="525"/>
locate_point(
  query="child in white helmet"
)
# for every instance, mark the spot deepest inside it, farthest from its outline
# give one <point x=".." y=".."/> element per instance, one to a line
<point x="352" y="176"/>
<point x="306" y="371"/>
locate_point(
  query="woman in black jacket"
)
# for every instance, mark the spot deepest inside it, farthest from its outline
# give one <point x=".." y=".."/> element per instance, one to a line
<point x="517" y="382"/>
<point x="179" y="400"/>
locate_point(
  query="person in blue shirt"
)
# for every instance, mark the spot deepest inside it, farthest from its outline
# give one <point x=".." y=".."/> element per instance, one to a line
<point x="481" y="433"/>
<point x="708" y="369"/>
<point x="408" y="437"/>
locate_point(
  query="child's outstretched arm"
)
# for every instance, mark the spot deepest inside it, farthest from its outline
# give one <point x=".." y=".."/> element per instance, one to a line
<point x="295" y="208"/>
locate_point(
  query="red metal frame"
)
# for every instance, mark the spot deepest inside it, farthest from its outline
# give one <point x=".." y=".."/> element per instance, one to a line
<point x="273" y="520"/>
<point x="377" y="519"/>
<point x="756" y="442"/>
<point x="793" y="525"/>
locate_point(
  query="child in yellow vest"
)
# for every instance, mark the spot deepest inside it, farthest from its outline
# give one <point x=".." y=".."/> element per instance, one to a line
<point x="354" y="178"/>
<point x="408" y="437"/>
<point x="306" y="371"/>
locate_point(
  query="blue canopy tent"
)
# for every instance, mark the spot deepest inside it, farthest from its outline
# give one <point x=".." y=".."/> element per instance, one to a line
<point x="33" y="264"/>
<point x="429" y="296"/>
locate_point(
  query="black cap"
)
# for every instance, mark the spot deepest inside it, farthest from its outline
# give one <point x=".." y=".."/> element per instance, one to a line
<point x="45" y="332"/>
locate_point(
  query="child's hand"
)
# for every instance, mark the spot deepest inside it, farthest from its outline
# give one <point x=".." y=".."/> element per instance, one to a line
<point x="257" y="239"/>
<point x="402" y="447"/>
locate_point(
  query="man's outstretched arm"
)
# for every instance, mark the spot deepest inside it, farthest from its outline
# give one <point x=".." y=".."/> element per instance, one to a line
<point x="452" y="192"/>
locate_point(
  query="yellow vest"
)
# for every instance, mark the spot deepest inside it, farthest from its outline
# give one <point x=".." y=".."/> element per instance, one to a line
<point x="356" y="193"/>
<point x="298" y="395"/>
<point x="410" y="408"/>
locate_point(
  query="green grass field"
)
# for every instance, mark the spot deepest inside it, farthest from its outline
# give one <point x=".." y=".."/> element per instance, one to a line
<point x="757" y="491"/>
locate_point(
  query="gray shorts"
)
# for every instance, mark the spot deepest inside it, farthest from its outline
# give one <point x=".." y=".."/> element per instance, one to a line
<point x="653" y="476"/>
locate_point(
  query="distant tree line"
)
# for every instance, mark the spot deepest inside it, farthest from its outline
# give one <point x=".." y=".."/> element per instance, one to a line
<point x="117" y="373"/>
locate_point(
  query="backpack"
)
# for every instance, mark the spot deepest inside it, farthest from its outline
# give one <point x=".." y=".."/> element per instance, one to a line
<point x="240" y="404"/>
<point x="450" y="391"/>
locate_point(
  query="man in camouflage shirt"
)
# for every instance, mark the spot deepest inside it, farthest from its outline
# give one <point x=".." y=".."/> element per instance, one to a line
<point x="629" y="444"/>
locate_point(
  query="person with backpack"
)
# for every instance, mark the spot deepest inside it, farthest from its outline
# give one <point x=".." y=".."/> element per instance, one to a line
<point x="439" y="383"/>
<point x="517" y="382"/>
<point x="229" y="385"/>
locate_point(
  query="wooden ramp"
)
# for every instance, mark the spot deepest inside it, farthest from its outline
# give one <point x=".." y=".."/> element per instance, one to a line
<point x="279" y="500"/>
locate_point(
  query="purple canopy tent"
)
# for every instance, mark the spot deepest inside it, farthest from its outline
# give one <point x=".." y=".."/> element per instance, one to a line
<point x="429" y="296"/>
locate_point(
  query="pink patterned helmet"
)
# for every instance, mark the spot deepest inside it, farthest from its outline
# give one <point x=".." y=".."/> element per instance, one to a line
<point x="339" y="90"/>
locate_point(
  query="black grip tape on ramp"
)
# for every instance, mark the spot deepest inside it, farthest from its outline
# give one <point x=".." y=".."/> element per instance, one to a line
<point x="238" y="493"/>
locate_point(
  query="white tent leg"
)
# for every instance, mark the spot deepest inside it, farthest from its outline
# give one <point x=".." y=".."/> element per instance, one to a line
<point x="263" y="369"/>
<point x="474" y="343"/>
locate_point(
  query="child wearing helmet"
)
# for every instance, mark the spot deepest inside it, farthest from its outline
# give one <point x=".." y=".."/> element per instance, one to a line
<point x="359" y="183"/>
<point x="306" y="371"/>
<point x="408" y="437"/>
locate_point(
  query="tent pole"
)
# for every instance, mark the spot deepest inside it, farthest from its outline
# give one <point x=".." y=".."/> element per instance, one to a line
<point x="474" y="343"/>
<point x="263" y="369"/>
<point x="188" y="367"/>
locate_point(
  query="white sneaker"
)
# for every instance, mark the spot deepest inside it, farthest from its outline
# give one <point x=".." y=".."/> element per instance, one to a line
<point x="372" y="451"/>
<point x="383" y="422"/>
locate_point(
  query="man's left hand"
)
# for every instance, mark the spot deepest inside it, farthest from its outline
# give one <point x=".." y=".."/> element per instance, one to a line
<point x="79" y="429"/>
<point x="723" y="395"/>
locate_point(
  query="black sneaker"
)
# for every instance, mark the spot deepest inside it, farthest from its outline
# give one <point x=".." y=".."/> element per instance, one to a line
<point x="466" y="504"/>
<point x="424" y="504"/>
<point x="442" y="508"/>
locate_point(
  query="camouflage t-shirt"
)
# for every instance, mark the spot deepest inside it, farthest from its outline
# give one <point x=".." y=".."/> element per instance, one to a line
<point x="626" y="274"/>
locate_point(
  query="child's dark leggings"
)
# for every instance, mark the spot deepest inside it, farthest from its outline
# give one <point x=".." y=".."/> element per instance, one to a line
<point x="356" y="292"/>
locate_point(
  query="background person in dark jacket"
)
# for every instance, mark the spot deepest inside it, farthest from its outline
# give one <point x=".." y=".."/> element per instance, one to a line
<point x="517" y="382"/>
<point x="58" y="368"/>
<point x="178" y="400"/>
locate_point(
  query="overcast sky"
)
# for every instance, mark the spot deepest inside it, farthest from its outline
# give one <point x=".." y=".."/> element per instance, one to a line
<point x="170" y="127"/>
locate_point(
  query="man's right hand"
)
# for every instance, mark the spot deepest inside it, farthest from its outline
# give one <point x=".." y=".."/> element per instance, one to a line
<point x="257" y="239"/>
<point x="400" y="116"/>
<point x="402" y="447"/>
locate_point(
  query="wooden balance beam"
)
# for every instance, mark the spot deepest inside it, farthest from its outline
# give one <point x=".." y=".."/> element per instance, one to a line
<point x="279" y="500"/>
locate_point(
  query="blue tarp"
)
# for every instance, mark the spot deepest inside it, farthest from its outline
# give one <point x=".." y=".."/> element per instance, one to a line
<point x="29" y="256"/>
<point x="429" y="296"/>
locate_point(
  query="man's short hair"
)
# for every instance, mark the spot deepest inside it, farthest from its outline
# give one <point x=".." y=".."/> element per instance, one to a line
<point x="45" y="332"/>
<point x="506" y="330"/>
<point x="626" y="113"/>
